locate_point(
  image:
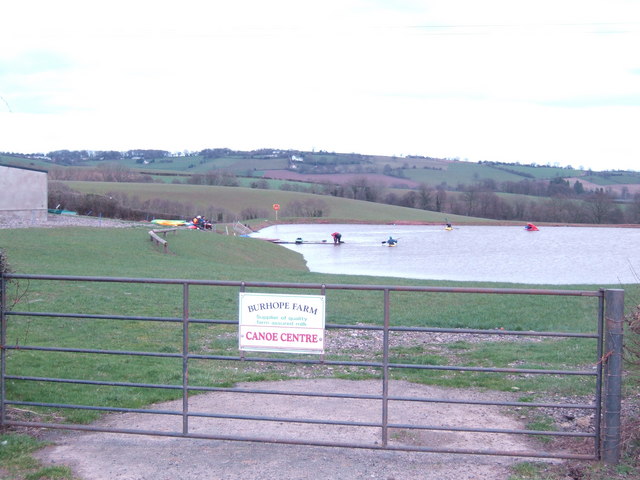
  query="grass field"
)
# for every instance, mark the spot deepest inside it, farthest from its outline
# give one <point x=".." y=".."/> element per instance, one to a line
<point x="459" y="173"/>
<point x="127" y="252"/>
<point x="236" y="199"/>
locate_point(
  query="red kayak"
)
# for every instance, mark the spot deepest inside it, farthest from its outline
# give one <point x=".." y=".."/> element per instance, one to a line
<point x="531" y="227"/>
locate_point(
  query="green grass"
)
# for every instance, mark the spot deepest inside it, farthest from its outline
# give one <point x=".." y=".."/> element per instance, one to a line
<point x="35" y="163"/>
<point x="196" y="164"/>
<point x="455" y="173"/>
<point x="530" y="471"/>
<point x="535" y="355"/>
<point x="127" y="252"/>
<point x="17" y="462"/>
<point x="540" y="172"/>
<point x="614" y="178"/>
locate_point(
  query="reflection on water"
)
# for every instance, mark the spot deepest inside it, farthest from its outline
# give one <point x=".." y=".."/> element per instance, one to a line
<point x="552" y="255"/>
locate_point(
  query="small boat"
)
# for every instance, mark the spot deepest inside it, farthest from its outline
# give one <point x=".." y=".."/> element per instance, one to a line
<point x="59" y="211"/>
<point x="169" y="223"/>
<point x="298" y="241"/>
<point x="448" y="229"/>
<point x="531" y="227"/>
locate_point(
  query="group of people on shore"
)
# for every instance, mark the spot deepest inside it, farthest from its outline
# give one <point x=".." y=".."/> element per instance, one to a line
<point x="201" y="223"/>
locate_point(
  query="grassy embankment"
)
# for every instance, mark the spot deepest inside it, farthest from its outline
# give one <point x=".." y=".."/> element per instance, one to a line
<point x="199" y="255"/>
<point x="236" y="199"/>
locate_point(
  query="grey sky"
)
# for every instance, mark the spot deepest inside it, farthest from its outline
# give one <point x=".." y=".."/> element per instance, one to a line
<point x="548" y="82"/>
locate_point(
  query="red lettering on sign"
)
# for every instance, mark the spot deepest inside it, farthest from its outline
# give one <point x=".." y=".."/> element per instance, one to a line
<point x="267" y="336"/>
<point x="299" y="337"/>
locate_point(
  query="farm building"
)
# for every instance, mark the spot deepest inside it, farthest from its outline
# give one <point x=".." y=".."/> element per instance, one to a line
<point x="23" y="194"/>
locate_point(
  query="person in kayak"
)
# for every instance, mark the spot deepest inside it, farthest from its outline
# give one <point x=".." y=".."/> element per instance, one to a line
<point x="337" y="237"/>
<point x="391" y="241"/>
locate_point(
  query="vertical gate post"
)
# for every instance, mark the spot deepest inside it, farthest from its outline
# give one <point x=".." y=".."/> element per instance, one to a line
<point x="385" y="371"/>
<point x="3" y="338"/>
<point x="614" y="316"/>
<point x="185" y="358"/>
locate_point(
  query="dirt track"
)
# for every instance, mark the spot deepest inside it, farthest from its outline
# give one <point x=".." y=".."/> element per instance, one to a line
<point x="107" y="456"/>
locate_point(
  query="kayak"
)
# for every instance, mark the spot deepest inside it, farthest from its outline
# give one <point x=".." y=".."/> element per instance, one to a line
<point x="531" y="227"/>
<point x="299" y="241"/>
<point x="169" y="223"/>
<point x="59" y="211"/>
<point x="448" y="228"/>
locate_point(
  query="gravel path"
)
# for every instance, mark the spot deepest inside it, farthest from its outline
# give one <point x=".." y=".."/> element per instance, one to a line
<point x="107" y="456"/>
<point x="54" y="220"/>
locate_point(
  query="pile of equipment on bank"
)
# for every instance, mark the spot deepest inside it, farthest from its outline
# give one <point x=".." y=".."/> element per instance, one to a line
<point x="197" y="223"/>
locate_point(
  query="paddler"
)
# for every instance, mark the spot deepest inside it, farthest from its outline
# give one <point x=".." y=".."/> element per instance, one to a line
<point x="337" y="238"/>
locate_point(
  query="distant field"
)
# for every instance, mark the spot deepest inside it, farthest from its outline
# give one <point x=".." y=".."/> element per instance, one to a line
<point x="198" y="164"/>
<point x="25" y="162"/>
<point x="416" y="170"/>
<point x="612" y="179"/>
<point x="343" y="178"/>
<point x="236" y="199"/>
<point x="459" y="172"/>
<point x="594" y="183"/>
<point x="539" y="172"/>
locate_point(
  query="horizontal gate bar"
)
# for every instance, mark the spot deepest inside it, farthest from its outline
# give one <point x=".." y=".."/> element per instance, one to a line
<point x="405" y="448"/>
<point x="308" y="362"/>
<point x="577" y="406"/>
<point x="312" y="286"/>
<point x="311" y="421"/>
<point x="474" y="331"/>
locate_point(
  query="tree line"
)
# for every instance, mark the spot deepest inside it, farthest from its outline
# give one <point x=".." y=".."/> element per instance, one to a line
<point x="537" y="201"/>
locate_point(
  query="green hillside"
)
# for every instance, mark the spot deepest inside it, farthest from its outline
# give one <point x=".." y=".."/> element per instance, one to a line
<point x="454" y="173"/>
<point x="432" y="171"/>
<point x="237" y="199"/>
<point x="500" y="191"/>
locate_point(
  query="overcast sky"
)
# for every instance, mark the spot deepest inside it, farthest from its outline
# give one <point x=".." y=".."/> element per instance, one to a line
<point x="548" y="81"/>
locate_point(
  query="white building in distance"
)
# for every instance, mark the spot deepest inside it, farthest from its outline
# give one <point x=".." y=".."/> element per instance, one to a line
<point x="23" y="194"/>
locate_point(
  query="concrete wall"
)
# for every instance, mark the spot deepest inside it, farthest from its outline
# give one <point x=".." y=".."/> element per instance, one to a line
<point x="23" y="195"/>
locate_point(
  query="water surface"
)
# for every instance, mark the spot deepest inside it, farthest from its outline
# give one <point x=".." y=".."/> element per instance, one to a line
<point x="552" y="255"/>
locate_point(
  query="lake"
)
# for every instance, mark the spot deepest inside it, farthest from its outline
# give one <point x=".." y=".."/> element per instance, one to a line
<point x="552" y="255"/>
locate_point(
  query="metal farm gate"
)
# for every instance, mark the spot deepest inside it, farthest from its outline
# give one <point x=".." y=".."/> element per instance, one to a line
<point x="597" y="440"/>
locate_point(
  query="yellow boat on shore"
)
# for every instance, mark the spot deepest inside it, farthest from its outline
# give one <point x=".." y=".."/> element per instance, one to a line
<point x="170" y="223"/>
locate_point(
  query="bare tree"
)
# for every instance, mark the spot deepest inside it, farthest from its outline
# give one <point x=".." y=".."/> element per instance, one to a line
<point x="425" y="197"/>
<point x="601" y="205"/>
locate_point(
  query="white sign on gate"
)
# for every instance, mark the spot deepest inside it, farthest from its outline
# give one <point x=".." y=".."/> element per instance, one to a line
<point x="281" y="323"/>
